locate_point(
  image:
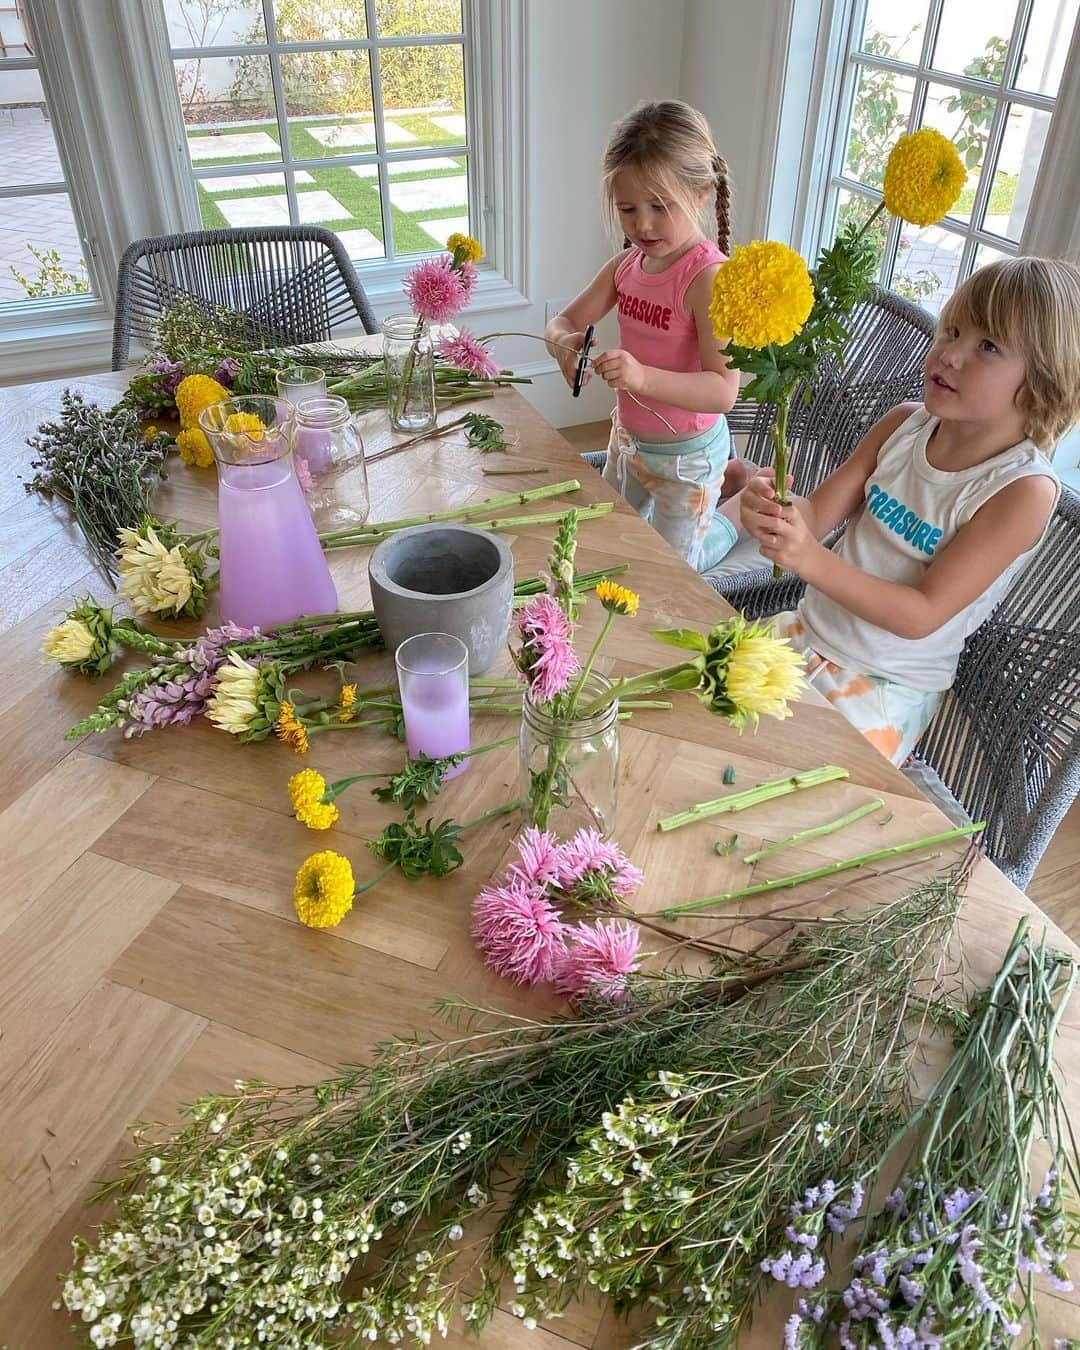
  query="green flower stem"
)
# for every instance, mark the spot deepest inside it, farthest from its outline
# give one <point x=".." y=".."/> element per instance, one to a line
<point x="865" y="226"/>
<point x="739" y="801"/>
<point x="816" y="832"/>
<point x="507" y="473"/>
<point x="503" y="810"/>
<point x="781" y="883"/>
<point x="780" y="448"/>
<point x="489" y="506"/>
<point x="359" y="890"/>
<point x="407" y="371"/>
<point x="336" y="788"/>
<point x="586" y="669"/>
<point x="651" y="682"/>
<point x="497" y="523"/>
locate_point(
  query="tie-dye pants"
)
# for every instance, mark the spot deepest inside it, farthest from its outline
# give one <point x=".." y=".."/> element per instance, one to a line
<point x="676" y="488"/>
<point x="891" y="716"/>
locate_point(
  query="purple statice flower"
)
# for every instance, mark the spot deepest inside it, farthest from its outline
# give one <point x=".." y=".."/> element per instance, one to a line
<point x="792" y="1328"/>
<point x="171" y="373"/>
<point x="797" y="1272"/>
<point x="812" y="1312"/>
<point x="895" y="1201"/>
<point x="959" y="1202"/>
<point x="912" y="1290"/>
<point x="839" y="1215"/>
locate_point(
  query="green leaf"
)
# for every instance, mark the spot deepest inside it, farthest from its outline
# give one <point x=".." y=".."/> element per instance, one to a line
<point x="687" y="638"/>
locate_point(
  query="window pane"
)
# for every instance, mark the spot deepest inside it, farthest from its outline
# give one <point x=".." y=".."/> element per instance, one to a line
<point x="319" y="20"/>
<point x="214" y="23"/>
<point x="888" y="33"/>
<point x="1046" y="45"/>
<point x="415" y="18"/>
<point x="28" y="151"/>
<point x="428" y="207"/>
<point x="228" y="103"/>
<point x="974" y="39"/>
<point x="15" y="39"/>
<point x="852" y="206"/>
<point x="329" y="103"/>
<point x="879" y="114"/>
<point x="1017" y="169"/>
<point x="927" y="267"/>
<point x="964" y="117"/>
<point x="985" y="254"/>
<point x="423" y="93"/>
<point x="41" y="253"/>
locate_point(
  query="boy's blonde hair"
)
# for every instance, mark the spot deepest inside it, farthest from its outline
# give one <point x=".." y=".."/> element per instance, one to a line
<point x="671" y="147"/>
<point x="1033" y="306"/>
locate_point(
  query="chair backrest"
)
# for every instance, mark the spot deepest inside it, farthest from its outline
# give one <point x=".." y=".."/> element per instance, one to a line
<point x="883" y="366"/>
<point x="293" y="283"/>
<point x="1006" y="738"/>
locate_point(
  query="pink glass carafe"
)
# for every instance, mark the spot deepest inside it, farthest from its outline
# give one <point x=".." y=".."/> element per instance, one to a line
<point x="273" y="568"/>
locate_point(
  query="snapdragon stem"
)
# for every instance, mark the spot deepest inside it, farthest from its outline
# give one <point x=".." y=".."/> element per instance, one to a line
<point x="781" y="883"/>
<point x="496" y="523"/>
<point x="739" y="801"/>
<point x="815" y="833"/>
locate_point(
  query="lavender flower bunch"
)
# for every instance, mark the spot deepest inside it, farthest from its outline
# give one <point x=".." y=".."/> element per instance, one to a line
<point x="950" y="1256"/>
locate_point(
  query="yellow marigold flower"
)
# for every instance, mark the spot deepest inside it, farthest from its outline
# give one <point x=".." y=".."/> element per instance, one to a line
<point x="464" y="247"/>
<point x="348" y="702"/>
<point x="617" y="598"/>
<point x="923" y="178"/>
<point x="150" y="432"/>
<point x="154" y="578"/>
<point x="318" y="816"/>
<point x="306" y="791"/>
<point x="762" y="294"/>
<point x="68" y="643"/>
<point x="233" y="705"/>
<point x="290" y="729"/>
<point x="193" y="394"/>
<point x="194" y="447"/>
<point x="763" y="673"/>
<point x="323" y="893"/>
<point x="242" y="423"/>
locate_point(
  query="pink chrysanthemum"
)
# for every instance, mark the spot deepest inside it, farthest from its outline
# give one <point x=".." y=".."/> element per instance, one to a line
<point x="599" y="959"/>
<point x="548" y="658"/>
<point x="468" y="353"/>
<point x="467" y="275"/>
<point x="539" y="855"/>
<point x="518" y="932"/>
<point x="435" y="291"/>
<point x="588" y="852"/>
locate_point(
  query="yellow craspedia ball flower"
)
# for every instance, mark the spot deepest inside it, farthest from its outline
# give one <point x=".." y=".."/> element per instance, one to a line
<point x="464" y="247"/>
<point x="193" y="394"/>
<point x="924" y="177"/>
<point x="763" y="674"/>
<point x="194" y="447"/>
<point x="323" y="893"/>
<point x="762" y="294"/>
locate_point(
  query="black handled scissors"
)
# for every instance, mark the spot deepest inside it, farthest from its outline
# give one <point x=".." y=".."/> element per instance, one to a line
<point x="583" y="360"/>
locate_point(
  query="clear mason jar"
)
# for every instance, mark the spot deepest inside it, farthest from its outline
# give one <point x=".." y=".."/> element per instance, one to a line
<point x="410" y="373"/>
<point x="570" y="768"/>
<point x="329" y="454"/>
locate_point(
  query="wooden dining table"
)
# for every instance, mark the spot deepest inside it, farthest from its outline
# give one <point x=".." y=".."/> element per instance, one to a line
<point x="149" y="949"/>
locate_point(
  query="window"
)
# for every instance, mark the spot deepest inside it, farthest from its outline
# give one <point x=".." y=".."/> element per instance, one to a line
<point x="43" y="253"/>
<point x="349" y="114"/>
<point x="987" y="77"/>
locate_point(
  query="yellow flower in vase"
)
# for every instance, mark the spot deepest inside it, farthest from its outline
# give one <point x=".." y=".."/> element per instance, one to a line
<point x="323" y="891"/>
<point x="617" y="599"/>
<point x="762" y="675"/>
<point x="923" y="177"/>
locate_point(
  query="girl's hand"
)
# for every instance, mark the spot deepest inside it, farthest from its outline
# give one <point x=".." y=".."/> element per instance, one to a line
<point x="758" y="507"/>
<point x="567" y="355"/>
<point x="620" y="370"/>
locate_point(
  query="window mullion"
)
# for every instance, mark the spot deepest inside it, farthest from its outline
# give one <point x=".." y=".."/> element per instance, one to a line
<point x="281" y="111"/>
<point x="375" y="75"/>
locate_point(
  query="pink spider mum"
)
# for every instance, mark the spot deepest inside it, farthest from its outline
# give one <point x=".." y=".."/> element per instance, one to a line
<point x="598" y="960"/>
<point x="435" y="291"/>
<point x="518" y="932"/>
<point x="539" y="855"/>
<point x="548" y="658"/>
<point x="468" y="353"/>
<point x="467" y="275"/>
<point x="587" y="852"/>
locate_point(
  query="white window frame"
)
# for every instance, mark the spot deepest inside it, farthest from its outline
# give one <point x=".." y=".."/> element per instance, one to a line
<point x="493" y="45"/>
<point x="1051" y="220"/>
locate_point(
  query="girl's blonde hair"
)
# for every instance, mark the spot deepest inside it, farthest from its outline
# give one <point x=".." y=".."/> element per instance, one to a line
<point x="671" y="147"/>
<point x="1033" y="306"/>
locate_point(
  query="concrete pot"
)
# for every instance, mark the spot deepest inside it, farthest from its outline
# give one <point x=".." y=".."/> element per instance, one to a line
<point x="444" y="579"/>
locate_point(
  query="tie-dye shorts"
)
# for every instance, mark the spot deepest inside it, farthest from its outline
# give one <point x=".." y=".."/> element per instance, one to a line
<point x="891" y="716"/>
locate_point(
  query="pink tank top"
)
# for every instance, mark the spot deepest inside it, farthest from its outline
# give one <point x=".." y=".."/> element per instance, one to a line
<point x="655" y="327"/>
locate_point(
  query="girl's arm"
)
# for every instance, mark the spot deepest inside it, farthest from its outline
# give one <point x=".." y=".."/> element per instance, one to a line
<point x="1007" y="525"/>
<point x="567" y="329"/>
<point x="713" y="388"/>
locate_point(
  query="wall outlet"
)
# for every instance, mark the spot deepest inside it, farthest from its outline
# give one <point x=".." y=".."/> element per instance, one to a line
<point x="553" y="307"/>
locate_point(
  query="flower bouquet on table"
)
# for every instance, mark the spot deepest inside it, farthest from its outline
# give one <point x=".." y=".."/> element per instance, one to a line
<point x="569" y="738"/>
<point x="781" y="324"/>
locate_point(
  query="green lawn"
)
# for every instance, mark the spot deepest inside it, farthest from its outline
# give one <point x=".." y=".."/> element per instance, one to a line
<point x="357" y="195"/>
<point x="1002" y="196"/>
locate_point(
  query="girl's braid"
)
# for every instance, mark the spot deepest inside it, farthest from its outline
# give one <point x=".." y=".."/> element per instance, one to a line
<point x="723" y="204"/>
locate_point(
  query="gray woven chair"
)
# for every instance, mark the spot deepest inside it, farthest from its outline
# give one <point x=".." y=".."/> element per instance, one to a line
<point x="1005" y="740"/>
<point x="883" y="366"/>
<point x="292" y="283"/>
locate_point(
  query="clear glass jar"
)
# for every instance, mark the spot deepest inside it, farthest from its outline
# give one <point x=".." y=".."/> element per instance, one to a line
<point x="409" y="358"/>
<point x="329" y="454"/>
<point x="570" y="768"/>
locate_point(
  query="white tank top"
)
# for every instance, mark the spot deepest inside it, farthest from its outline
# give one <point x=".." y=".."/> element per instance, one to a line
<point x="911" y="513"/>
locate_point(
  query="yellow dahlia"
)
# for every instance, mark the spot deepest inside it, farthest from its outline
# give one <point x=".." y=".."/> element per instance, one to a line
<point x="763" y="672"/>
<point x="290" y="729"/>
<point x="762" y="294"/>
<point x="618" y="599"/>
<point x="923" y="178"/>
<point x="69" y="643"/>
<point x="464" y="248"/>
<point x="323" y="893"/>
<point x="156" y="579"/>
<point x="193" y="394"/>
<point x="234" y="705"/>
<point x="347" y="703"/>
<point x="194" y="447"/>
